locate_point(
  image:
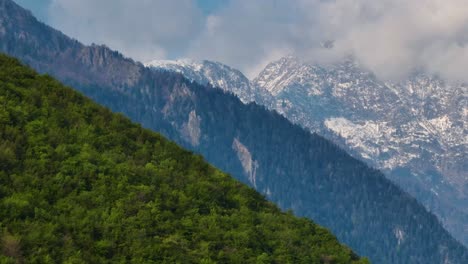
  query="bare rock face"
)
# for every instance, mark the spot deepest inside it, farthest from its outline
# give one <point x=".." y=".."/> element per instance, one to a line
<point x="248" y="163"/>
<point x="191" y="130"/>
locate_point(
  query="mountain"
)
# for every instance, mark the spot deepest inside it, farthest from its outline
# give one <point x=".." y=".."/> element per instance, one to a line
<point x="81" y="184"/>
<point x="414" y="130"/>
<point x="292" y="167"/>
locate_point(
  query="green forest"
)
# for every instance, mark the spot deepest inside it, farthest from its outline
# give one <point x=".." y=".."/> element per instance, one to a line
<point x="80" y="184"/>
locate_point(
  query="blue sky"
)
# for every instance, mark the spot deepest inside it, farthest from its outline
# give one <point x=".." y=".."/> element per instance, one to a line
<point x="211" y="6"/>
<point x="40" y="7"/>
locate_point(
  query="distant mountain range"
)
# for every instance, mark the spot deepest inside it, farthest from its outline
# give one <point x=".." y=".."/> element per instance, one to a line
<point x="292" y="167"/>
<point x="414" y="130"/>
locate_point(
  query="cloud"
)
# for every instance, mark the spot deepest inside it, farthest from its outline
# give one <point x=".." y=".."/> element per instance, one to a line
<point x="390" y="37"/>
<point x="395" y="37"/>
<point x="246" y="34"/>
<point x="142" y="29"/>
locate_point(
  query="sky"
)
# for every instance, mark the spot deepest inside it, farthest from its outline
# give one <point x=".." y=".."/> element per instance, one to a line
<point x="392" y="38"/>
<point x="40" y="8"/>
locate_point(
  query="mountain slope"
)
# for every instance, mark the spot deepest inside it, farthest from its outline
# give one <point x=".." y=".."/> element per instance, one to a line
<point x="80" y="184"/>
<point x="292" y="167"/>
<point x="415" y="130"/>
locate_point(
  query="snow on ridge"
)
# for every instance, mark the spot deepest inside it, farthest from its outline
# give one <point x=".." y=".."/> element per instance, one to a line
<point x="165" y="63"/>
<point x="214" y="73"/>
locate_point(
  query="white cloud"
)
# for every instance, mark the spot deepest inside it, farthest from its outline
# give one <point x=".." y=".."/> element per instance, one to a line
<point x="394" y="37"/>
<point x="142" y="29"/>
<point x="390" y="37"/>
<point x="246" y="33"/>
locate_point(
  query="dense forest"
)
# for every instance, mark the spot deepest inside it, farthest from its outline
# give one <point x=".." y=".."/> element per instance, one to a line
<point x="291" y="167"/>
<point x="79" y="184"/>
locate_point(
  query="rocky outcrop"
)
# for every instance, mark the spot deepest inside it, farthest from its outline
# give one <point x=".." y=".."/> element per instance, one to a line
<point x="248" y="163"/>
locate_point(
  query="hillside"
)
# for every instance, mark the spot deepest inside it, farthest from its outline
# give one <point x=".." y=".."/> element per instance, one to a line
<point x="81" y="184"/>
<point x="293" y="168"/>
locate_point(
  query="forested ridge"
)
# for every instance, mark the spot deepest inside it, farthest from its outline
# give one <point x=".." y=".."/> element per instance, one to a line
<point x="80" y="184"/>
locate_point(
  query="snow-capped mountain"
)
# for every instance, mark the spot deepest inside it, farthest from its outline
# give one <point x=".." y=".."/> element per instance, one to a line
<point x="415" y="130"/>
<point x="390" y="124"/>
<point x="209" y="72"/>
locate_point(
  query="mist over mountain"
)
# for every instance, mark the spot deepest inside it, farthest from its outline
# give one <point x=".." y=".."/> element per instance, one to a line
<point x="292" y="167"/>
